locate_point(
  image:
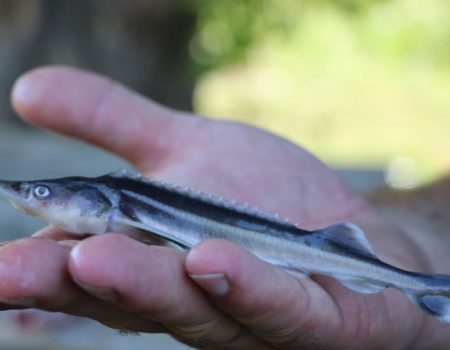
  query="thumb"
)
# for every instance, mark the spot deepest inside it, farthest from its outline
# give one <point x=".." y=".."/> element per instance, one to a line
<point x="95" y="109"/>
<point x="285" y="311"/>
<point x="275" y="306"/>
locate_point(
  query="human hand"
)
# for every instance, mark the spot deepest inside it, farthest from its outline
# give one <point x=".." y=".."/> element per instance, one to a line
<point x="126" y="284"/>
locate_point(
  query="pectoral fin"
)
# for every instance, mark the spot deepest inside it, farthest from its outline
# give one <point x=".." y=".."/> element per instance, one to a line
<point x="148" y="233"/>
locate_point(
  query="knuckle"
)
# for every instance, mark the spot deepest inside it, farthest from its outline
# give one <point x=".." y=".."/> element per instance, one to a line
<point x="210" y="333"/>
<point x="195" y="331"/>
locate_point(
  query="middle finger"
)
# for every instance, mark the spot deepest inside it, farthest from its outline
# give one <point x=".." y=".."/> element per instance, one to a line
<point x="152" y="283"/>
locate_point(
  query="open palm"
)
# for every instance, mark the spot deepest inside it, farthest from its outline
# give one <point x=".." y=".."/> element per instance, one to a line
<point x="210" y="295"/>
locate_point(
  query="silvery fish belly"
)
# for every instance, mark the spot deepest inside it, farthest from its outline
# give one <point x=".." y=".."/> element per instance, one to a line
<point x="159" y="213"/>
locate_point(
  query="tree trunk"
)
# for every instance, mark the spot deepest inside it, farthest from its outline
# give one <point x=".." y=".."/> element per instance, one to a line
<point x="141" y="43"/>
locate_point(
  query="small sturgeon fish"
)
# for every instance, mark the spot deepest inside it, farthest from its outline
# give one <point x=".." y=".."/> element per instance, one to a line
<point x="165" y="214"/>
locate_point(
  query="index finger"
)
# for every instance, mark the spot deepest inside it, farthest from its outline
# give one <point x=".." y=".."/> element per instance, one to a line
<point x="95" y="109"/>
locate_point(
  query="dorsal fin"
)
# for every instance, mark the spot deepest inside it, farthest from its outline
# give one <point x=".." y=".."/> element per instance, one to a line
<point x="348" y="237"/>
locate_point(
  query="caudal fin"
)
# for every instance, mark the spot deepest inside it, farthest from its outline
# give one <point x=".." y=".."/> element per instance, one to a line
<point x="435" y="300"/>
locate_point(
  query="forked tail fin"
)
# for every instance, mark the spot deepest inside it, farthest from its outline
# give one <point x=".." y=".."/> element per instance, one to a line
<point x="435" y="300"/>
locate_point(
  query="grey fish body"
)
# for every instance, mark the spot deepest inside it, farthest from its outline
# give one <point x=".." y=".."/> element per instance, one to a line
<point x="164" y="214"/>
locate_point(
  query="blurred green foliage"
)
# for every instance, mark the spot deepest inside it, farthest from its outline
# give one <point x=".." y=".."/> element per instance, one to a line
<point x="360" y="83"/>
<point x="226" y="30"/>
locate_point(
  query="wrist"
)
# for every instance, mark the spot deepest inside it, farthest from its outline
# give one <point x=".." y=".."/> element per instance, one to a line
<point x="422" y="214"/>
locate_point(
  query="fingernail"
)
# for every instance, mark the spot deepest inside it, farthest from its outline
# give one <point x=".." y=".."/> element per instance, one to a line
<point x="215" y="284"/>
<point x="104" y="293"/>
<point x="22" y="302"/>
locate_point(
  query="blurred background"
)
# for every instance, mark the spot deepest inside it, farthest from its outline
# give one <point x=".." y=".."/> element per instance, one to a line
<point x="365" y="85"/>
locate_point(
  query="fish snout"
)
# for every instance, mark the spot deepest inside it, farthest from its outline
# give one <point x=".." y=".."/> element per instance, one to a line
<point x="14" y="192"/>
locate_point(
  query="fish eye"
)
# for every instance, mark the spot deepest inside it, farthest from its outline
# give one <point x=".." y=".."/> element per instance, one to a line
<point x="41" y="192"/>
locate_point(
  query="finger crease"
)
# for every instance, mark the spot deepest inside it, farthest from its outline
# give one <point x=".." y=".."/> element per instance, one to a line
<point x="241" y="332"/>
